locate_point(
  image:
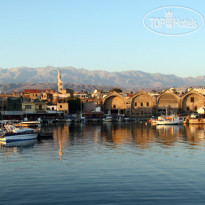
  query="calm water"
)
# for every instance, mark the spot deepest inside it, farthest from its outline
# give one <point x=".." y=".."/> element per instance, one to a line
<point x="122" y="163"/>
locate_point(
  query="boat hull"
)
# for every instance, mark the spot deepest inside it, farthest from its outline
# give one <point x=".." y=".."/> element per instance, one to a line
<point x="197" y="121"/>
<point x="19" y="137"/>
<point x="168" y="122"/>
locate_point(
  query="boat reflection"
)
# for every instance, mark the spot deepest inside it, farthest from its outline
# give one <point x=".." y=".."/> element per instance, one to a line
<point x="169" y="134"/>
<point x="25" y="143"/>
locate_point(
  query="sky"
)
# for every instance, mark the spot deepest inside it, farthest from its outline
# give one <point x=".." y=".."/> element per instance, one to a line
<point x="97" y="35"/>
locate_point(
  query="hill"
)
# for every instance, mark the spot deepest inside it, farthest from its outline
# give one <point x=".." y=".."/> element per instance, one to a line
<point x="84" y="79"/>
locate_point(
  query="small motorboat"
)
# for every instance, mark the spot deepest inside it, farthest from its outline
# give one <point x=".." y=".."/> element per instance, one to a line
<point x="12" y="133"/>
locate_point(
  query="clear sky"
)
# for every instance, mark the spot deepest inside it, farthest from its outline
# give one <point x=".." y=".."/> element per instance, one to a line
<point x="96" y="35"/>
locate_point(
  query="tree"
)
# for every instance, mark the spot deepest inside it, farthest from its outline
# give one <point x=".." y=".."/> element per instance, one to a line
<point x="118" y="90"/>
<point x="74" y="105"/>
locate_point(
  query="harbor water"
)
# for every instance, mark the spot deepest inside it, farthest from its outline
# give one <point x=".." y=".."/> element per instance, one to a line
<point x="106" y="163"/>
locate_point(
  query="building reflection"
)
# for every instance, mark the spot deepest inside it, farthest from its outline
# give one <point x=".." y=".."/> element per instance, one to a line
<point x="169" y="134"/>
<point x="118" y="134"/>
<point x="60" y="135"/>
<point x="195" y="134"/>
<point x="143" y="135"/>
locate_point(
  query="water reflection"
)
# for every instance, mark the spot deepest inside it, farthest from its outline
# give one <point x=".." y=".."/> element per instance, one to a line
<point x="115" y="163"/>
<point x="119" y="134"/>
<point x="195" y="134"/>
<point x="15" y="147"/>
<point x="169" y="134"/>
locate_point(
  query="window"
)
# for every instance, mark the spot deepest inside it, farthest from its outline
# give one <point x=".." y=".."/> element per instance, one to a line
<point x="135" y="104"/>
<point x="61" y="106"/>
<point x="192" y="99"/>
<point x="114" y="106"/>
<point x="141" y="104"/>
<point x="187" y="108"/>
<point x="195" y="108"/>
<point x="27" y="107"/>
<point x="147" y="104"/>
<point x="40" y="107"/>
<point x="52" y="108"/>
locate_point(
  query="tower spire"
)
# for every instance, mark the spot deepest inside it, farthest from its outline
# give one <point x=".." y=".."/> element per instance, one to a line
<point x="60" y="82"/>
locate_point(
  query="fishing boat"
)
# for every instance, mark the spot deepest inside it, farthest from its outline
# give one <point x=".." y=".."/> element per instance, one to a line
<point x="195" y="119"/>
<point x="12" y="133"/>
<point x="153" y="120"/>
<point x="169" y="120"/>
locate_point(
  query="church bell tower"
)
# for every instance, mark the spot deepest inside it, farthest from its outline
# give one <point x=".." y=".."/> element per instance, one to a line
<point x="60" y="82"/>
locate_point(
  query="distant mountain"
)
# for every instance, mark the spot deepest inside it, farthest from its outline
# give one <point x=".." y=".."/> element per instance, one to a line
<point x="20" y="87"/>
<point x="126" y="79"/>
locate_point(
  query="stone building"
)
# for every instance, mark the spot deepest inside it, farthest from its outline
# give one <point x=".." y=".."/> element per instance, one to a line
<point x="142" y="104"/>
<point x="115" y="103"/>
<point x="168" y="103"/>
<point x="192" y="101"/>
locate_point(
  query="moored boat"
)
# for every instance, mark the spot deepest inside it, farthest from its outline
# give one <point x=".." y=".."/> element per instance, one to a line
<point x="30" y="124"/>
<point x="169" y="120"/>
<point x="12" y="134"/>
<point x="153" y="120"/>
<point x="108" y="119"/>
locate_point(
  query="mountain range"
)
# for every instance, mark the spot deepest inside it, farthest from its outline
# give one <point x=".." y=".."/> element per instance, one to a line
<point x="83" y="78"/>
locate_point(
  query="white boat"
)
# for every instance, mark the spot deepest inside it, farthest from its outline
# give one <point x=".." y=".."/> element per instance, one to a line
<point x="12" y="134"/>
<point x="169" y="120"/>
<point x="30" y="124"/>
<point x="108" y="119"/>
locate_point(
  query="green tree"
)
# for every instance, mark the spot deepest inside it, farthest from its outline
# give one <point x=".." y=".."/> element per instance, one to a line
<point x="118" y="90"/>
<point x="74" y="105"/>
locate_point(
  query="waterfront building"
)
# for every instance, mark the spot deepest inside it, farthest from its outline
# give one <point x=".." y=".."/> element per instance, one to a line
<point x="34" y="107"/>
<point x="192" y="101"/>
<point x="63" y="107"/>
<point x="115" y="103"/>
<point x="143" y="104"/>
<point x="168" y="103"/>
